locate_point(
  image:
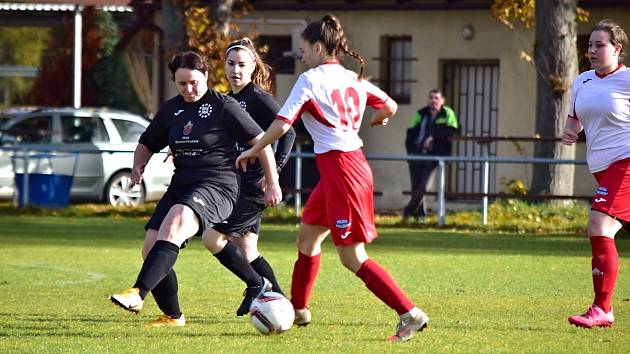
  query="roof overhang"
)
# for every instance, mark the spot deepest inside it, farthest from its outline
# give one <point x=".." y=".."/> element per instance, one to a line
<point x="353" y="5"/>
<point x="62" y="6"/>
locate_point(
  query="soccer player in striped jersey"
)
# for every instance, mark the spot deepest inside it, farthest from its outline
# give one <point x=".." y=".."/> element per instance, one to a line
<point x="331" y="101"/>
<point x="600" y="105"/>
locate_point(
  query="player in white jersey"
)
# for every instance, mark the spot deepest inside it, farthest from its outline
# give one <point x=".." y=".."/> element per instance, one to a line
<point x="331" y="101"/>
<point x="600" y="104"/>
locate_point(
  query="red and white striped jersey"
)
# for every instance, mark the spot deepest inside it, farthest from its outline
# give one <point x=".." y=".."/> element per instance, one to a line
<point x="331" y="101"/>
<point x="602" y="105"/>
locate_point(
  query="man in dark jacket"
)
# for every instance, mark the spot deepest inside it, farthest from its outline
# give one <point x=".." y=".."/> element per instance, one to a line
<point x="430" y="134"/>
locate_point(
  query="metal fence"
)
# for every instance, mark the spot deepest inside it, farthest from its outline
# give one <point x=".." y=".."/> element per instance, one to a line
<point x="441" y="176"/>
<point x="298" y="155"/>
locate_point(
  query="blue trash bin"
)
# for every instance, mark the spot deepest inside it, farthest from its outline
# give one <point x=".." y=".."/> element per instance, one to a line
<point x="45" y="190"/>
<point x="49" y="188"/>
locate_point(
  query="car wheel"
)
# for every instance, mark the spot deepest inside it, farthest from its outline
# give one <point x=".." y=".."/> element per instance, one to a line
<point x="120" y="191"/>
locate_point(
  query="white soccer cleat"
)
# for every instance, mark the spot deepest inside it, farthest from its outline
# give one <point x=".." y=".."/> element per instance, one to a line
<point x="408" y="326"/>
<point x="302" y="317"/>
<point x="129" y="300"/>
<point x="167" y="321"/>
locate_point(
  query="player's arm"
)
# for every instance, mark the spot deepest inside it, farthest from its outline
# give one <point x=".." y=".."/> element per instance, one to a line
<point x="277" y="129"/>
<point x="141" y="157"/>
<point x="381" y="117"/>
<point x="267" y="112"/>
<point x="285" y="145"/>
<point x="300" y="94"/>
<point x="572" y="128"/>
<point x="152" y="140"/>
<point x="273" y="193"/>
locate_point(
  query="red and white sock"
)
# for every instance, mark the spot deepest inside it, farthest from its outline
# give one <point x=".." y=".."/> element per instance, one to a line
<point x="384" y="286"/>
<point x="605" y="264"/>
<point x="304" y="274"/>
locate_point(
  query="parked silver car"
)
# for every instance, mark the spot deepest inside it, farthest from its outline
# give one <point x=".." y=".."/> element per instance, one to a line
<point x="104" y="139"/>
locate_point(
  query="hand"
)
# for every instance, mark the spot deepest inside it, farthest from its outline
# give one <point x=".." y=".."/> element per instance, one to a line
<point x="376" y="121"/>
<point x="428" y="143"/>
<point x="169" y="157"/>
<point x="136" y="174"/>
<point x="262" y="184"/>
<point x="246" y="157"/>
<point x="569" y="137"/>
<point x="273" y="193"/>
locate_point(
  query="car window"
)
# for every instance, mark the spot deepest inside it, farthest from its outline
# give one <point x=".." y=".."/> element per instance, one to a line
<point x="129" y="131"/>
<point x="36" y="130"/>
<point x="83" y="130"/>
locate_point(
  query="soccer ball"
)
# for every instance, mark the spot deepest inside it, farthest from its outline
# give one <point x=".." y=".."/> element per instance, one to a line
<point x="272" y="313"/>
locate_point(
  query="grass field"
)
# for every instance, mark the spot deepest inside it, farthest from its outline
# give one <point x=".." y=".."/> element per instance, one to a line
<point x="484" y="293"/>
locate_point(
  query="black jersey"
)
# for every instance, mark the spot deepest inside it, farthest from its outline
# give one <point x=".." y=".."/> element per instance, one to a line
<point x="202" y="136"/>
<point x="263" y="108"/>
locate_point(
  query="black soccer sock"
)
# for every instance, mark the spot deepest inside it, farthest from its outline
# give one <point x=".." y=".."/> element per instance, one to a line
<point x="233" y="259"/>
<point x="165" y="295"/>
<point x="158" y="263"/>
<point x="262" y="267"/>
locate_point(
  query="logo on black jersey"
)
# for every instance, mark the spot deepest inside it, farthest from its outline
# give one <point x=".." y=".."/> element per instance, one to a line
<point x="587" y="80"/>
<point x="178" y="112"/>
<point x="188" y="128"/>
<point x="243" y="105"/>
<point x="205" y="110"/>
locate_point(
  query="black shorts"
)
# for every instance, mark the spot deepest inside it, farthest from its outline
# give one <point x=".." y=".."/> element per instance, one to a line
<point x="211" y="202"/>
<point x="245" y="218"/>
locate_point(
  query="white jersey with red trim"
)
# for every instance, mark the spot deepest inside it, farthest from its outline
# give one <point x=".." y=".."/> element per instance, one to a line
<point x="331" y="101"/>
<point x="602" y="105"/>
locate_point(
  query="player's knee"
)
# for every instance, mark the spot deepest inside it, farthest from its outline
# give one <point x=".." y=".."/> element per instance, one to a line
<point x="248" y="247"/>
<point x="306" y="246"/>
<point x="600" y="224"/>
<point x="351" y="263"/>
<point x="214" y="241"/>
<point x="149" y="241"/>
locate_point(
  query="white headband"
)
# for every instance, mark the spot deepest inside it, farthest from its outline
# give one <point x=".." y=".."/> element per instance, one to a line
<point x="242" y="47"/>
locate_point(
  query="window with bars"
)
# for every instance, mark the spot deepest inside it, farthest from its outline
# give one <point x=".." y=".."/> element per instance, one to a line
<point x="395" y="68"/>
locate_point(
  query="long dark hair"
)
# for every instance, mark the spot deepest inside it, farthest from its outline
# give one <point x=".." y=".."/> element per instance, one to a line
<point x="328" y="31"/>
<point x="188" y="60"/>
<point x="616" y="34"/>
<point x="262" y="73"/>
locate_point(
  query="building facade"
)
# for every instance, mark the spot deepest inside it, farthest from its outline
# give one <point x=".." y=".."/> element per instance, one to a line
<point x="412" y="49"/>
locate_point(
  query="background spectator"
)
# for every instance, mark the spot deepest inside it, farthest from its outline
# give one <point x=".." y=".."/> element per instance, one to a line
<point x="429" y="134"/>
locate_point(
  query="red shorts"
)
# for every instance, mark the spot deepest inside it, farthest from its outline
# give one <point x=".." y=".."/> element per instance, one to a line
<point x="343" y="199"/>
<point x="613" y="191"/>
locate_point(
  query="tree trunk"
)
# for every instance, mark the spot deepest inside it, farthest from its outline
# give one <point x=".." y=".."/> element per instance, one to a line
<point x="556" y="59"/>
<point x="174" y="27"/>
<point x="220" y="11"/>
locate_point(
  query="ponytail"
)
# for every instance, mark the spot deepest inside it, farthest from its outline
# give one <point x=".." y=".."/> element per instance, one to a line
<point x="328" y="30"/>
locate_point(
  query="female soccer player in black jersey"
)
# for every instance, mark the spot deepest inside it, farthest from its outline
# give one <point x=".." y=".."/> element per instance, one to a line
<point x="202" y="128"/>
<point x="248" y="76"/>
<point x="249" y="79"/>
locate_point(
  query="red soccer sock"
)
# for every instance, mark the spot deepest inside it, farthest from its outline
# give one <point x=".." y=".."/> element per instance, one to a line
<point x="304" y="274"/>
<point x="384" y="286"/>
<point x="605" y="264"/>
